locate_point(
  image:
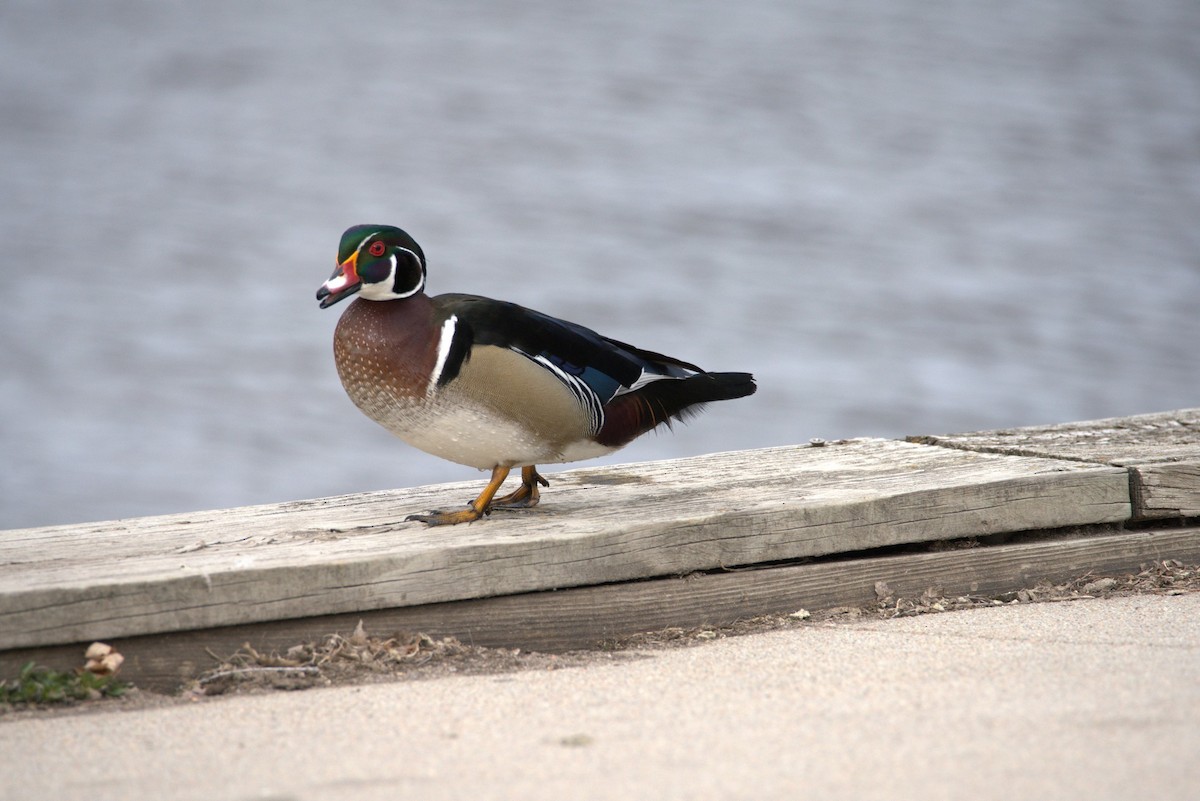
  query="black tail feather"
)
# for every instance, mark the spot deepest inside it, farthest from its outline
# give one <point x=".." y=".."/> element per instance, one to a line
<point x="633" y="414"/>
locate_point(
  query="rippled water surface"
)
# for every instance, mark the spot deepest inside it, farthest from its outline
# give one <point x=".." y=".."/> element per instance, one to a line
<point x="904" y="218"/>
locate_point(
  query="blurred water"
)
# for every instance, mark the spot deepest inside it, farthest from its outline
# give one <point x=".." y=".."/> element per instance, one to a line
<point x="904" y="218"/>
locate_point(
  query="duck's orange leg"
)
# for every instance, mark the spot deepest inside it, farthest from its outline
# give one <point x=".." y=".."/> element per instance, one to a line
<point x="477" y="509"/>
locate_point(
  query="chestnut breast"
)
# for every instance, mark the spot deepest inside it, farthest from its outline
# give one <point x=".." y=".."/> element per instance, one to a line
<point x="385" y="352"/>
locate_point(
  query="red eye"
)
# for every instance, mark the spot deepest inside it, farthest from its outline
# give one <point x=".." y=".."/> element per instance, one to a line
<point x="377" y="249"/>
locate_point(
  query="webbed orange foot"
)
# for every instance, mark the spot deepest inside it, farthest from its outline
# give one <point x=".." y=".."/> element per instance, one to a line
<point x="477" y="508"/>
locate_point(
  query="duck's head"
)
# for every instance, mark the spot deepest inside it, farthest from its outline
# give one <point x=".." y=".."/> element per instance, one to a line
<point x="379" y="262"/>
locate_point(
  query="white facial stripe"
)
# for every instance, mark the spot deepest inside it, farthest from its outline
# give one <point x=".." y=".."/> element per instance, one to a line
<point x="444" y="342"/>
<point x="385" y="289"/>
<point x="416" y="258"/>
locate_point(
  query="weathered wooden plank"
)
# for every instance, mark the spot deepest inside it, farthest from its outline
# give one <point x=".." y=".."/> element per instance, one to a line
<point x="587" y="616"/>
<point x="1140" y="439"/>
<point x="1161" y="452"/>
<point x="1166" y="490"/>
<point x="354" y="553"/>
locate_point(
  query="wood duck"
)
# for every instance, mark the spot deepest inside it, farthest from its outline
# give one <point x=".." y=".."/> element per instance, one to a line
<point x="491" y="384"/>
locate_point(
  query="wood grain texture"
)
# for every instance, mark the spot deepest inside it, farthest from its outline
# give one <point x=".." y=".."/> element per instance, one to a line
<point x="589" y="616"/>
<point x="1161" y="452"/>
<point x="353" y="553"/>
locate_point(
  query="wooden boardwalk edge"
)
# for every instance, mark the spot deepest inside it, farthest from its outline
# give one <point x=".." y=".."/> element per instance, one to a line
<point x="350" y="554"/>
<point x="1161" y="451"/>
<point x="584" y="617"/>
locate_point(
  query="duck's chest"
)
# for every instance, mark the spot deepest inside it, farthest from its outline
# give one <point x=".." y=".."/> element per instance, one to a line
<point x="385" y="354"/>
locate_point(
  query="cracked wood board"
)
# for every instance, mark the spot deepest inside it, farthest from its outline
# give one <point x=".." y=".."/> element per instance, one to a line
<point x="1161" y="452"/>
<point x="353" y="553"/>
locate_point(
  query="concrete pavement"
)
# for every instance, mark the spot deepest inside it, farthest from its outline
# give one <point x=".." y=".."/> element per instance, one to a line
<point x="1098" y="699"/>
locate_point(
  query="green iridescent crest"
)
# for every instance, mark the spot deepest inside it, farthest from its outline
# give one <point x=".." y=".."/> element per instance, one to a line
<point x="390" y="235"/>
